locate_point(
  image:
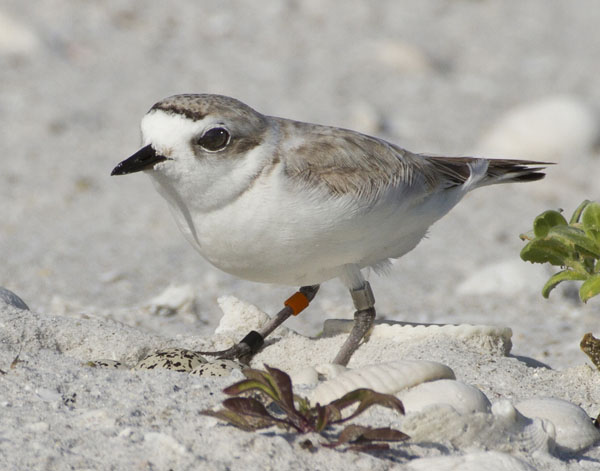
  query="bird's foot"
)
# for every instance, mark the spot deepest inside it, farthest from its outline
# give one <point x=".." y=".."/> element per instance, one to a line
<point x="246" y="348"/>
<point x="363" y="321"/>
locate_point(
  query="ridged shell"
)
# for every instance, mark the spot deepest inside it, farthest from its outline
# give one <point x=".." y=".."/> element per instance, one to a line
<point x="463" y="397"/>
<point x="487" y="337"/>
<point x="387" y="378"/>
<point x="176" y="359"/>
<point x="486" y="460"/>
<point x="574" y="429"/>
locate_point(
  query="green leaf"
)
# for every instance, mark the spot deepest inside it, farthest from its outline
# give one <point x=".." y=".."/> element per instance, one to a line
<point x="565" y="275"/>
<point x="366" y="398"/>
<point x="590" y="288"/>
<point x="578" y="211"/>
<point x="546" y="251"/>
<point x="547" y="220"/>
<point x="591" y="221"/>
<point x="576" y="238"/>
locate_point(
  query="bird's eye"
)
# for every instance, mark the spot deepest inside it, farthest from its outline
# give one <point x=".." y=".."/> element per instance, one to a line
<point x="214" y="139"/>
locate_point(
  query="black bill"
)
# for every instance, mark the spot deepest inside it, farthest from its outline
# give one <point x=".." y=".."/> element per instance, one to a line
<point x="143" y="159"/>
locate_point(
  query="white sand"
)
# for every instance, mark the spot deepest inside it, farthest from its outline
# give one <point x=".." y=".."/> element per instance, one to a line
<point x="88" y="252"/>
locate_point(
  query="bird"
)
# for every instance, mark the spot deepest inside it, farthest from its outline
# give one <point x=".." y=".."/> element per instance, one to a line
<point x="279" y="201"/>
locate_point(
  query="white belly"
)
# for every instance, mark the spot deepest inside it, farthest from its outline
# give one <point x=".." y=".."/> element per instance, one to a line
<point x="279" y="234"/>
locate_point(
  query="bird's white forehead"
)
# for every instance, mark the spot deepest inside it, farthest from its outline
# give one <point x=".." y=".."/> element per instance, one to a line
<point x="168" y="130"/>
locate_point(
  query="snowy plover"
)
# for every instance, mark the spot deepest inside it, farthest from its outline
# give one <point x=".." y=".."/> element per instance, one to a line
<point x="279" y="201"/>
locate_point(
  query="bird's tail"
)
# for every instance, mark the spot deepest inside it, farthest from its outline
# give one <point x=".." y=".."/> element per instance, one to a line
<point x="476" y="172"/>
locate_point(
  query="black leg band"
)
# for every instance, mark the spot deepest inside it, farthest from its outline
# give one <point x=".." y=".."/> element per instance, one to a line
<point x="254" y="340"/>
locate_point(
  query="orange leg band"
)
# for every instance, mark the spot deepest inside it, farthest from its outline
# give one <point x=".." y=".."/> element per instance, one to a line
<point x="297" y="302"/>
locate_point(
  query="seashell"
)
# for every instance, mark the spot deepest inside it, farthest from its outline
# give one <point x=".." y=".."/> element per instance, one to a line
<point x="463" y="397"/>
<point x="216" y="368"/>
<point x="507" y="431"/>
<point x="479" y="461"/>
<point x="108" y="364"/>
<point x="12" y="299"/>
<point x="485" y="337"/>
<point x="176" y="359"/>
<point x="383" y="377"/>
<point x="530" y="435"/>
<point x="574" y="428"/>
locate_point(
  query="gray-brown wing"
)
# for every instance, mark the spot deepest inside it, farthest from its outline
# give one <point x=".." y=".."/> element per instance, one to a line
<point x="347" y="162"/>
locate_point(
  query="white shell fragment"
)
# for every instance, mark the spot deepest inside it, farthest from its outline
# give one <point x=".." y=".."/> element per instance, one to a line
<point x="574" y="429"/>
<point x="463" y="397"/>
<point x="176" y="359"/>
<point x="383" y="377"/>
<point x="216" y="368"/>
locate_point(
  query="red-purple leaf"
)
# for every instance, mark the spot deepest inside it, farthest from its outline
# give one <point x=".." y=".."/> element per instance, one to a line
<point x="282" y="383"/>
<point x="366" y="398"/>
<point x="361" y="437"/>
<point x="247" y="406"/>
<point x="248" y="424"/>
<point x="384" y="434"/>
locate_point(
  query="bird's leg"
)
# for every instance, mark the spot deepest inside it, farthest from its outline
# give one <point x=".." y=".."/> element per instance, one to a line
<point x="363" y="321"/>
<point x="252" y="343"/>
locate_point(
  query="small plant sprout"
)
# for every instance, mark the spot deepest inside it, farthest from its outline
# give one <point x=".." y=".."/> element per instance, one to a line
<point x="276" y="404"/>
<point x="573" y="245"/>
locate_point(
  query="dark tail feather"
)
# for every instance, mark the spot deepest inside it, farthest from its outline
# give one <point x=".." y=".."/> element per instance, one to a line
<point x="457" y="170"/>
<point x="506" y="171"/>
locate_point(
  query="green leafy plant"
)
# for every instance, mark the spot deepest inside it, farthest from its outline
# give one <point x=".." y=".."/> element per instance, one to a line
<point x="573" y="245"/>
<point x="276" y="404"/>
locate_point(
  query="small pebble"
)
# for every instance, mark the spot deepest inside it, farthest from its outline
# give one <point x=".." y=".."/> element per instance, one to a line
<point x="175" y="359"/>
<point x="216" y="368"/>
<point x="12" y="299"/>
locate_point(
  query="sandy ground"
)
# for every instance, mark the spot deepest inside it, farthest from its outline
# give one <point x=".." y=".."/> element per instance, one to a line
<point x="88" y="252"/>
